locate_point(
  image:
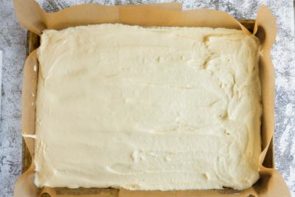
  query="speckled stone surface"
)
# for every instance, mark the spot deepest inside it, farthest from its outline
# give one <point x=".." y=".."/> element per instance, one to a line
<point x="13" y="40"/>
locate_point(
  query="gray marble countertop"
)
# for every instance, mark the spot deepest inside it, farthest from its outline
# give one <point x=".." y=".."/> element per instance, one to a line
<point x="13" y="42"/>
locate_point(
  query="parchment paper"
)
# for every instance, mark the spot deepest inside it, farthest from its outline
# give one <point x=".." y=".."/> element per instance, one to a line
<point x="33" y="18"/>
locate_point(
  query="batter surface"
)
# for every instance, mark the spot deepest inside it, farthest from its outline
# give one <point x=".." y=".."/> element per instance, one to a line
<point x="147" y="108"/>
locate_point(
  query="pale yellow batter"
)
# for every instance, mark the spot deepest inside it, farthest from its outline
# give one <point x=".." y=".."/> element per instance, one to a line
<point x="147" y="108"/>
